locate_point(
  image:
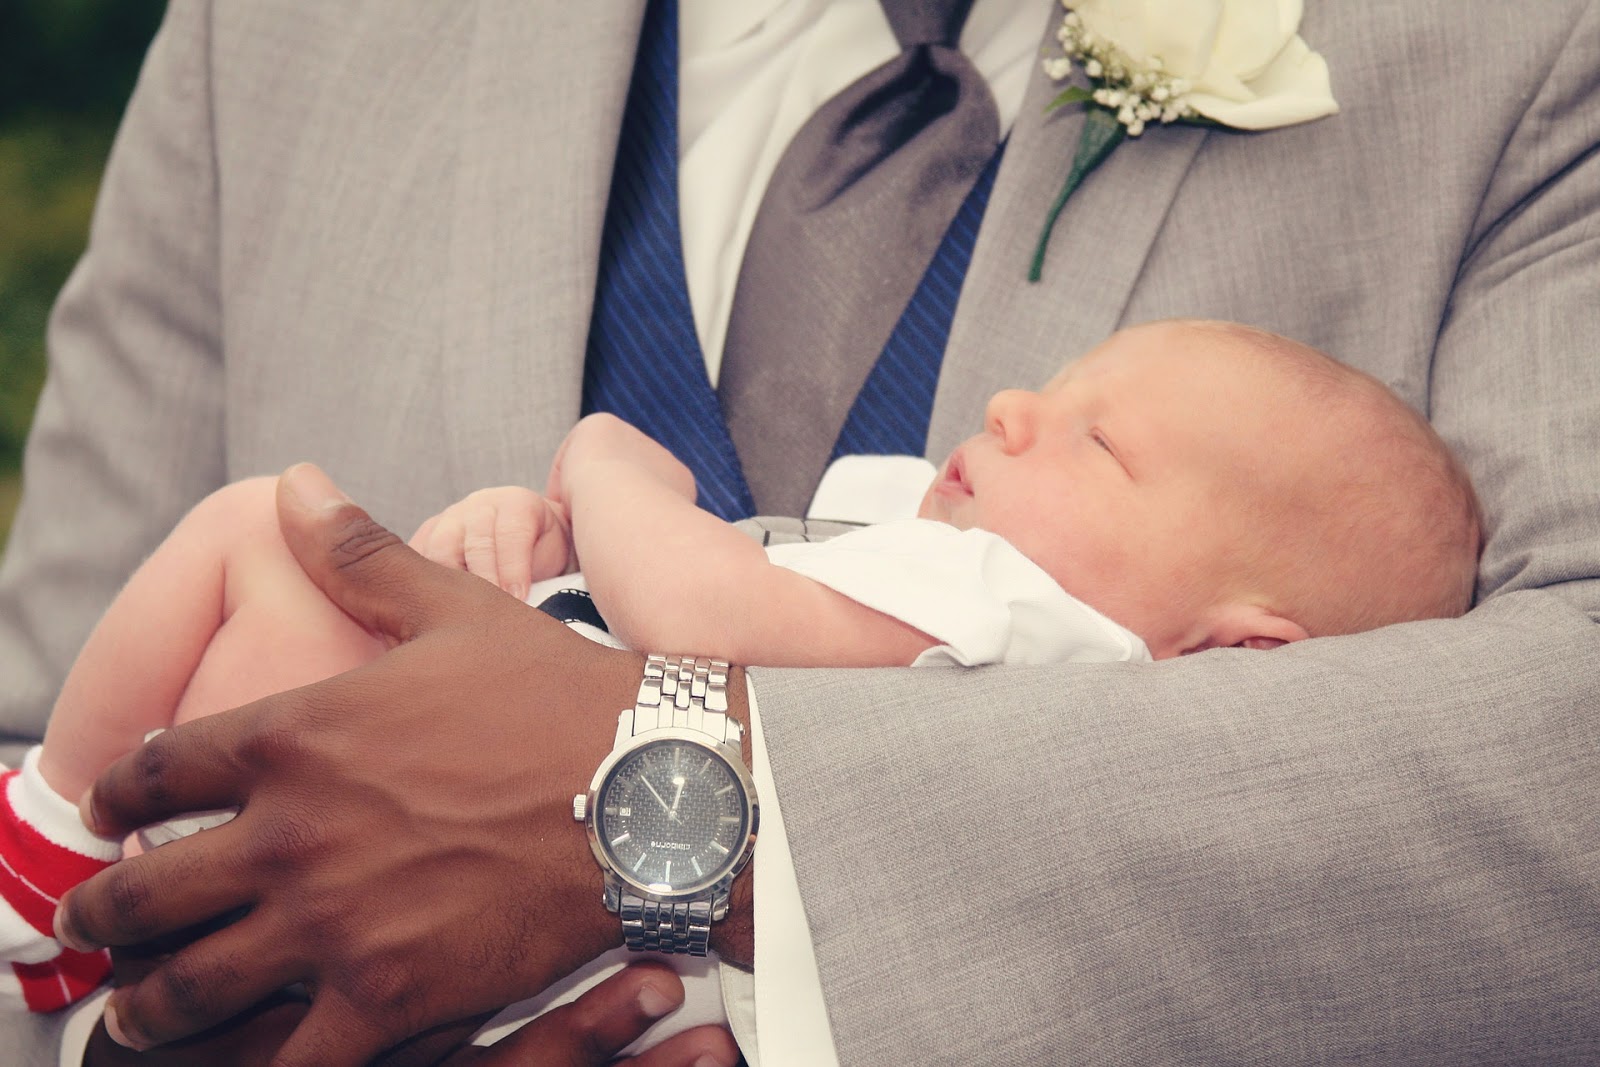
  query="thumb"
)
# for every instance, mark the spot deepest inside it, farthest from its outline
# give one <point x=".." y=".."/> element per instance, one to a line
<point x="363" y="568"/>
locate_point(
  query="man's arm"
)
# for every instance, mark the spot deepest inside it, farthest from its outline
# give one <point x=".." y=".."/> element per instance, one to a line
<point x="1378" y="849"/>
<point x="667" y="575"/>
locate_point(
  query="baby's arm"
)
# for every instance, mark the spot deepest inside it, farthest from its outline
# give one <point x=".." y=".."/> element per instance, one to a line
<point x="668" y="576"/>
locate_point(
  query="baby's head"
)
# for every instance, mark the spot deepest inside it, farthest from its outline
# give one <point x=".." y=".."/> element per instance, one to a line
<point x="1208" y="484"/>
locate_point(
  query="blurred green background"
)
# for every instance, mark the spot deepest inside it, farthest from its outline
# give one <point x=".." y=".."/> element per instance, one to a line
<point x="66" y="69"/>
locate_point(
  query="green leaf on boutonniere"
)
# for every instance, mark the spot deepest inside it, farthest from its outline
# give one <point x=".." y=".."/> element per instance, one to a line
<point x="1070" y="96"/>
<point x="1101" y="133"/>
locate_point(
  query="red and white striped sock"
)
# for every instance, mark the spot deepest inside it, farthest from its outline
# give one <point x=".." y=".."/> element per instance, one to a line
<point x="44" y="850"/>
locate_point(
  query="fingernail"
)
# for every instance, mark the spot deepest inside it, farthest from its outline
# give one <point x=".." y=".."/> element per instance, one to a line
<point x="709" y="1060"/>
<point x="86" y="809"/>
<point x="58" y="926"/>
<point x="114" y="1029"/>
<point x="313" y="488"/>
<point x="655" y="1003"/>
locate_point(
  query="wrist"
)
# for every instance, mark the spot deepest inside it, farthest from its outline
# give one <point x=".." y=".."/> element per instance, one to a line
<point x="734" y="938"/>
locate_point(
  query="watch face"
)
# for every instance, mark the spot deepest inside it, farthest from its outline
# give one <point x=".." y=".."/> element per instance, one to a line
<point x="672" y="816"/>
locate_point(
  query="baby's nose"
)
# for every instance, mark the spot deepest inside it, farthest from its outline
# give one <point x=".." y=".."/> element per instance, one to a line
<point x="1010" y="418"/>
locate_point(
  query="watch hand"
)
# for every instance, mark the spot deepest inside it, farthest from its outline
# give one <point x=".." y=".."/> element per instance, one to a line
<point x="673" y="811"/>
<point x="653" y="793"/>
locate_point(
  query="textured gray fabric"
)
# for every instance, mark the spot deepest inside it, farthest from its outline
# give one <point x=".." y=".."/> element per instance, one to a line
<point x="1378" y="849"/>
<point x="850" y="220"/>
<point x="366" y="234"/>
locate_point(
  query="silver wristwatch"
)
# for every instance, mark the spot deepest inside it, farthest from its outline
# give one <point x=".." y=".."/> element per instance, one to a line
<point x="671" y="813"/>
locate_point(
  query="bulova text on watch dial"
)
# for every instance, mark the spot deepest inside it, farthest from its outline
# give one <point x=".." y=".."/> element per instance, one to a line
<point x="672" y="816"/>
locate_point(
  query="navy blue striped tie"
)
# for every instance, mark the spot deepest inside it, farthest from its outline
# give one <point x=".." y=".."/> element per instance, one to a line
<point x="644" y="362"/>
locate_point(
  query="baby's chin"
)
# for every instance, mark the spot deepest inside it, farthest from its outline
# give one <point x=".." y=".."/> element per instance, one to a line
<point x="937" y="510"/>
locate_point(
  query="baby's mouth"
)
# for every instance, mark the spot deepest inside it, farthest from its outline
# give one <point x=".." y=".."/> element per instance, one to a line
<point x="954" y="481"/>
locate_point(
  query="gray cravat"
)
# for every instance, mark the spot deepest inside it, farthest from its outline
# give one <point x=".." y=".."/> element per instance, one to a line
<point x="851" y="219"/>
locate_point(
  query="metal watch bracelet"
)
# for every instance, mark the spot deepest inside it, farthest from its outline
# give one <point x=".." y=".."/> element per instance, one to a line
<point x="687" y="692"/>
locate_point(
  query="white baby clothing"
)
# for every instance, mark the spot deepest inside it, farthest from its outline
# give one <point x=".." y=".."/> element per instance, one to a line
<point x="981" y="598"/>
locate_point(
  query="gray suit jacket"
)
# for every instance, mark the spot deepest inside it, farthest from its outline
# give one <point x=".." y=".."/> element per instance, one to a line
<point x="366" y="233"/>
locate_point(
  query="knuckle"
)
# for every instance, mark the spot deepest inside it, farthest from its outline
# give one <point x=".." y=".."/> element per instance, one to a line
<point x="289" y="843"/>
<point x="590" y="1045"/>
<point x="132" y="901"/>
<point x="521" y="521"/>
<point x="274" y="743"/>
<point x="388" y="988"/>
<point x="361" y="540"/>
<point x="187" y="988"/>
<point x="152" y="764"/>
<point x="571" y="1040"/>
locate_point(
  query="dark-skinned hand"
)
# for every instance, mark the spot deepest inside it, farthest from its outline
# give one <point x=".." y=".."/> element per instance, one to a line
<point x="404" y="847"/>
<point x="588" y="1032"/>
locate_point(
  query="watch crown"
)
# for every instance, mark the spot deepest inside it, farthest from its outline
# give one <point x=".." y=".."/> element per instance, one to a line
<point x="580" y="806"/>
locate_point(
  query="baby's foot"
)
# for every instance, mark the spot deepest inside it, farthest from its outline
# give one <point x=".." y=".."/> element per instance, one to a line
<point x="44" y="850"/>
<point x="55" y="983"/>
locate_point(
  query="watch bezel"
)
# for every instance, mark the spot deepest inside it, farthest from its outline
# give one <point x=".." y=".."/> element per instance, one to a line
<point x="737" y="859"/>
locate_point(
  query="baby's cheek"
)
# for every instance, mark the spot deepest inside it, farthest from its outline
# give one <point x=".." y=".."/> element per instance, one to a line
<point x="1116" y="575"/>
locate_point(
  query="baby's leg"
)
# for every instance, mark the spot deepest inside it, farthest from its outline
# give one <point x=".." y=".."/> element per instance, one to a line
<point x="220" y="615"/>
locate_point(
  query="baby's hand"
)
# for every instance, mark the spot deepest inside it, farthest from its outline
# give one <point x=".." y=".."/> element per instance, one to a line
<point x="508" y="535"/>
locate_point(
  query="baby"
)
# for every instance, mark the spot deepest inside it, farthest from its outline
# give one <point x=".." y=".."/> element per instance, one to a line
<point x="1187" y="485"/>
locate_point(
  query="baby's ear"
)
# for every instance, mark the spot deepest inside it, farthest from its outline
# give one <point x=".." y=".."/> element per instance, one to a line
<point x="1238" y="625"/>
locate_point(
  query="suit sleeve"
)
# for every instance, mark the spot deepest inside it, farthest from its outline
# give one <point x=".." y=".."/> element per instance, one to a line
<point x="128" y="431"/>
<point x="1381" y="848"/>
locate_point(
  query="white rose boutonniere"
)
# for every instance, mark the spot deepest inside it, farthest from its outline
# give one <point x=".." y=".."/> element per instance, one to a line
<point x="1237" y="63"/>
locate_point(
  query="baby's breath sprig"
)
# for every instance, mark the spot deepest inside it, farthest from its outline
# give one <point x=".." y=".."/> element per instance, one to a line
<point x="1136" y="94"/>
<point x="1126" y="96"/>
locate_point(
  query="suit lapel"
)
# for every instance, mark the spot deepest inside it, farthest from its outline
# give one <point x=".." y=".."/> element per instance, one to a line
<point x="1008" y="332"/>
<point x="542" y="109"/>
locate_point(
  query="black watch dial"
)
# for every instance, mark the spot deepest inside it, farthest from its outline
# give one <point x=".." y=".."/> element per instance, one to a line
<point x="672" y="816"/>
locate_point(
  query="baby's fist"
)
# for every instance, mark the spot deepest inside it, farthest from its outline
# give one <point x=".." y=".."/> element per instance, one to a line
<point x="507" y="535"/>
